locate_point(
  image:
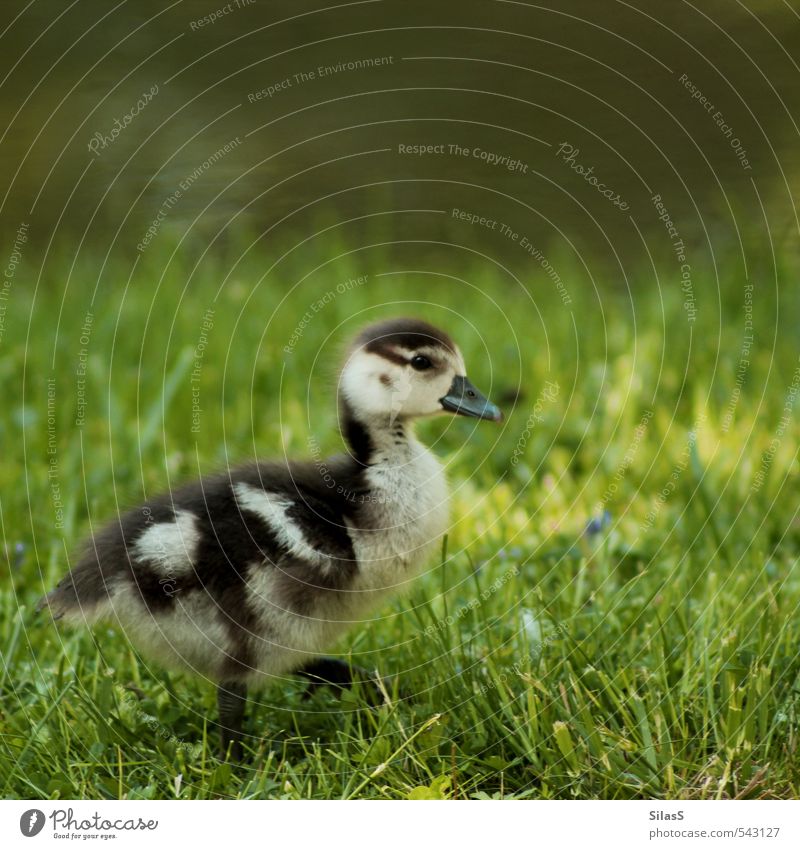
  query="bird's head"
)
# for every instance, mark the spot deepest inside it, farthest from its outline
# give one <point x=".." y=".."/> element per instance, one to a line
<point x="405" y="368"/>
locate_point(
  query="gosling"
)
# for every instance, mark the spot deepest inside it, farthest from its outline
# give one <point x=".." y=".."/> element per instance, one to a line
<point x="254" y="573"/>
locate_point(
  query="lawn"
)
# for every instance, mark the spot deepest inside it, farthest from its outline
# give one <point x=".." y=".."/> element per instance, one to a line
<point x="615" y="610"/>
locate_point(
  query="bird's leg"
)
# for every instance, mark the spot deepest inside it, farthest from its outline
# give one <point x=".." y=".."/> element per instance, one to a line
<point x="332" y="672"/>
<point x="231" y="698"/>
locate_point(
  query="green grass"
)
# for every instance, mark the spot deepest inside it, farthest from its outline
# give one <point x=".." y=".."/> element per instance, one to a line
<point x="653" y="657"/>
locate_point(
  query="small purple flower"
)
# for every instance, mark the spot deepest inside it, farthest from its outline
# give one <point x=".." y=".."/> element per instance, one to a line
<point x="595" y="525"/>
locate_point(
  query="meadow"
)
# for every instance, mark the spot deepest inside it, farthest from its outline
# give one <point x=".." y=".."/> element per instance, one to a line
<point x="616" y="609"/>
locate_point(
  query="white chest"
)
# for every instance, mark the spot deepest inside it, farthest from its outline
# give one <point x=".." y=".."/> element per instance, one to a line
<point x="403" y="518"/>
<point x="398" y="526"/>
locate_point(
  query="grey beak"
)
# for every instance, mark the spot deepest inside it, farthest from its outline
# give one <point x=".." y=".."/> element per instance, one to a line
<point x="465" y="400"/>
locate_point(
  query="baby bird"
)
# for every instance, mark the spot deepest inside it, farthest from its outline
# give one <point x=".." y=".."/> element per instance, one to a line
<point x="254" y="573"/>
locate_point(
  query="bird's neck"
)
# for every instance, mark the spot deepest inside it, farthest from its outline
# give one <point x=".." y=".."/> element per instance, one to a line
<point x="375" y="439"/>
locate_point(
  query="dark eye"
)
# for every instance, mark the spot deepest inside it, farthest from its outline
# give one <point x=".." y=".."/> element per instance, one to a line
<point x="420" y="363"/>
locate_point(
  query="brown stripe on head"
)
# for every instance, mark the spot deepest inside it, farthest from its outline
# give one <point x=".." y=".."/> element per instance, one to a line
<point x="396" y="370"/>
<point x="409" y="334"/>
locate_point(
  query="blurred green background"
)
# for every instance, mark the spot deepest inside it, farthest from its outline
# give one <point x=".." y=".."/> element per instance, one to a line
<point x="196" y="215"/>
<point x="509" y="78"/>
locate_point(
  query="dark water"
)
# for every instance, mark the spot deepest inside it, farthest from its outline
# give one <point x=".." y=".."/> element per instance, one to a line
<point x="536" y="130"/>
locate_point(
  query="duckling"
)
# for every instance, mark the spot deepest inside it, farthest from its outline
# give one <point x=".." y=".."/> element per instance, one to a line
<point x="254" y="573"/>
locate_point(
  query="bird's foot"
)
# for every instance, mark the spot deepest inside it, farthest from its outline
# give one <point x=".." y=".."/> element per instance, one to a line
<point x="332" y="672"/>
<point x="231" y="700"/>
